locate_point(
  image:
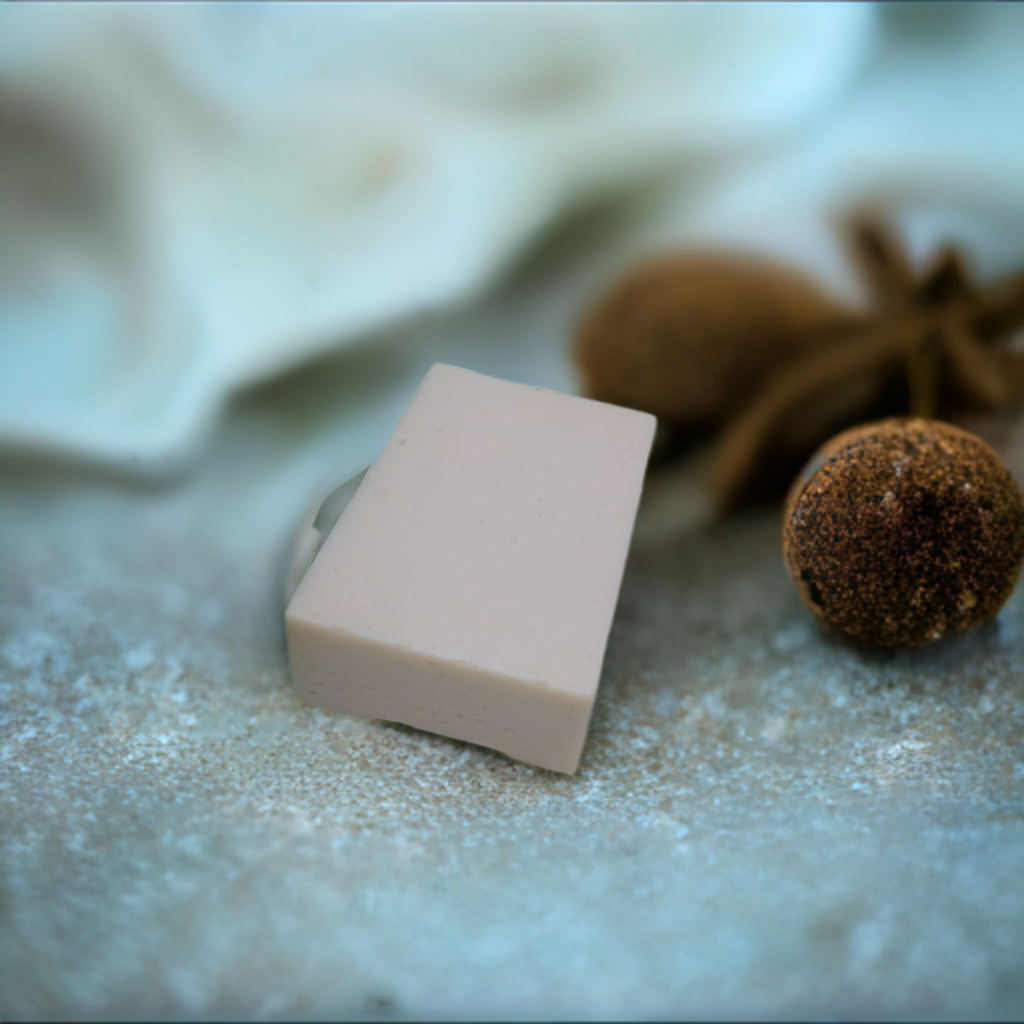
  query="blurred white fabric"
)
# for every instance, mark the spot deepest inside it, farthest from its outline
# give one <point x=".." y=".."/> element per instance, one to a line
<point x="194" y="198"/>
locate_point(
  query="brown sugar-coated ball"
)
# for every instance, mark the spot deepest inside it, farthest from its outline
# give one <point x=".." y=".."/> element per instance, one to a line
<point x="902" y="531"/>
<point x="691" y="337"/>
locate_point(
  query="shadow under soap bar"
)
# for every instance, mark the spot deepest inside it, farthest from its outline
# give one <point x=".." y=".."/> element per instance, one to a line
<point x="469" y="586"/>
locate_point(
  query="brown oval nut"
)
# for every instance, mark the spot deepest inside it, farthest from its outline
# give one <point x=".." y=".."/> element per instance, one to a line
<point x="903" y="531"/>
<point x="692" y="336"/>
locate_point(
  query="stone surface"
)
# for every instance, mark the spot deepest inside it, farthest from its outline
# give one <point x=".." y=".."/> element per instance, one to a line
<point x="767" y="820"/>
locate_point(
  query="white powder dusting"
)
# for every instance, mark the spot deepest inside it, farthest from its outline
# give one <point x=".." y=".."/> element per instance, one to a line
<point x="775" y="822"/>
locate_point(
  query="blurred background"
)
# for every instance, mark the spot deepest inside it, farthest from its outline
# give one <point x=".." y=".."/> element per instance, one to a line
<point x="233" y="237"/>
<point x="196" y="201"/>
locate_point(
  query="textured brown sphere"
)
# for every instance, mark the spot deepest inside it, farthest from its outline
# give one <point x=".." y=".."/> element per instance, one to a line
<point x="691" y="337"/>
<point x="902" y="531"/>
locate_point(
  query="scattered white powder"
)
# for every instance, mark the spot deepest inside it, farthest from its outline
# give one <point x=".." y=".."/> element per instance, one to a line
<point x="775" y="823"/>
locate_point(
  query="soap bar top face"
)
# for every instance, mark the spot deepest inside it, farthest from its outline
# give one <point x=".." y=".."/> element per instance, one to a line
<point x="493" y="531"/>
<point x="469" y="586"/>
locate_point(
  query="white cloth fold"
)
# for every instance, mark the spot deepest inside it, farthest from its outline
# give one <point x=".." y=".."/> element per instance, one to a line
<point x="245" y="188"/>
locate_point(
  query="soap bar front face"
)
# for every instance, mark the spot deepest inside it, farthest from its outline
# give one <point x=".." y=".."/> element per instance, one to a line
<point x="469" y="586"/>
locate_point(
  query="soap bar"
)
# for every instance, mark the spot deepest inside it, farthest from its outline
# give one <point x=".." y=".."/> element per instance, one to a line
<point x="468" y="587"/>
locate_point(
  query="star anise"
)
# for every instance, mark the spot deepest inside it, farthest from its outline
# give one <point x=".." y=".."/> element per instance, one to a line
<point x="936" y="345"/>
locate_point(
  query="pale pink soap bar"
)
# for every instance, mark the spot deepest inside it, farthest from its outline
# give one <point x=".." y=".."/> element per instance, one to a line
<point x="469" y="586"/>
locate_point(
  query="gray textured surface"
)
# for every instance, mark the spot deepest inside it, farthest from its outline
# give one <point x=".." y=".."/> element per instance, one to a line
<point x="766" y="821"/>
